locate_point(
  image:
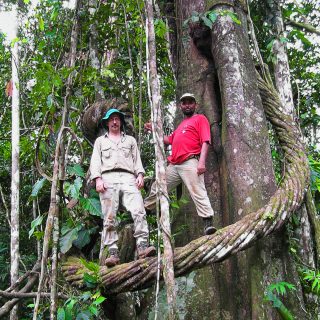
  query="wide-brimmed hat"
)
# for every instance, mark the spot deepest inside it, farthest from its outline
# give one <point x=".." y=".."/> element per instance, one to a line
<point x="112" y="111"/>
<point x="188" y="95"/>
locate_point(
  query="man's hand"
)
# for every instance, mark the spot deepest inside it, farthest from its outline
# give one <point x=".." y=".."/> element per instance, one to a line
<point x="148" y="126"/>
<point x="140" y="181"/>
<point x="203" y="157"/>
<point x="201" y="168"/>
<point x="100" y="186"/>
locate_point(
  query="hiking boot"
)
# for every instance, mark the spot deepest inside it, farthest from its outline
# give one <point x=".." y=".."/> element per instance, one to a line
<point x="145" y="251"/>
<point x="208" y="226"/>
<point x="113" y="258"/>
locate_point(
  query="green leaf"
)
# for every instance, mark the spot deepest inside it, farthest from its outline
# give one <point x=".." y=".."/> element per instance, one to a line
<point x="84" y="315"/>
<point x="284" y="39"/>
<point x="160" y="28"/>
<point x="315" y="283"/>
<point x="174" y="205"/>
<point x="86" y="296"/>
<point x="234" y="17"/>
<point x="129" y="73"/>
<point x="90" y="265"/>
<point x="54" y="14"/>
<point x="93" y="205"/>
<point x="69" y="307"/>
<point x="49" y="100"/>
<point x="185" y="23"/>
<point x="99" y="300"/>
<point x="35" y="223"/>
<point x="41" y="23"/>
<point x="195" y="18"/>
<point x="76" y="170"/>
<point x="37" y="187"/>
<point x="270" y="44"/>
<point x="207" y="22"/>
<point x="83" y="239"/>
<point x="67" y="240"/>
<point x="14" y="41"/>
<point x="90" y="280"/>
<point x="61" y="314"/>
<point x="93" y="309"/>
<point x="212" y="16"/>
<point x="74" y="189"/>
<point x="293" y="250"/>
<point x="107" y="73"/>
<point x="39" y="234"/>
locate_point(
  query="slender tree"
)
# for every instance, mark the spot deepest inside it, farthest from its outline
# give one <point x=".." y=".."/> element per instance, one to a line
<point x="15" y="166"/>
<point x="162" y="192"/>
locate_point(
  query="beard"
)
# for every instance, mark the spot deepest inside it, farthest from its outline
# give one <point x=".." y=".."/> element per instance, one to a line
<point x="188" y="112"/>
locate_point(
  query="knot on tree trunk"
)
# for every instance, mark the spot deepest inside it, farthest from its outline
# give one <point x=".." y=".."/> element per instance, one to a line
<point x="91" y="125"/>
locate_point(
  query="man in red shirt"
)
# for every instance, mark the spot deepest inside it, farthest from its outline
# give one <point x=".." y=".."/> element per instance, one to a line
<point x="187" y="163"/>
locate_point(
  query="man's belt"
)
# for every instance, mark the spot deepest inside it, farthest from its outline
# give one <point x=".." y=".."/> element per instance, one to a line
<point x="194" y="156"/>
<point x="117" y="170"/>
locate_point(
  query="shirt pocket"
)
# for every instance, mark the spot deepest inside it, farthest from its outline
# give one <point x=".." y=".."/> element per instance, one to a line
<point x="126" y="151"/>
<point x="106" y="152"/>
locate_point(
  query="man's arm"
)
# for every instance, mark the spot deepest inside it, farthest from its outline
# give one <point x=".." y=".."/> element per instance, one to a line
<point x="138" y="167"/>
<point x="148" y="127"/>
<point x="203" y="157"/>
<point x="166" y="140"/>
<point x="95" y="167"/>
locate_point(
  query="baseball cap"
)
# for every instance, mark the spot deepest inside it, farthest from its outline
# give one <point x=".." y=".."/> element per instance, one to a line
<point x="112" y="111"/>
<point x="188" y="95"/>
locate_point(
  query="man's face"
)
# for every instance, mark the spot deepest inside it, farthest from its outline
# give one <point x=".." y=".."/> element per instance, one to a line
<point x="114" y="123"/>
<point x="188" y="106"/>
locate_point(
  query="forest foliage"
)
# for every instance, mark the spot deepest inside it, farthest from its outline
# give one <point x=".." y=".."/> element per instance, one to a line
<point x="44" y="42"/>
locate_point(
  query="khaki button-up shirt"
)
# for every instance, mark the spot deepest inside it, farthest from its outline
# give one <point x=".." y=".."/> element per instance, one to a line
<point x="108" y="155"/>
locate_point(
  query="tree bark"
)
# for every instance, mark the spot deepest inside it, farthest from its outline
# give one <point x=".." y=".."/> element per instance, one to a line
<point x="162" y="192"/>
<point x="280" y="61"/>
<point x="283" y="85"/>
<point x="248" y="176"/>
<point x="93" y="50"/>
<point x="15" y="169"/>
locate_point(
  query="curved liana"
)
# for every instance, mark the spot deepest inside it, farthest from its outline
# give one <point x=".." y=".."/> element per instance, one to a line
<point x="233" y="238"/>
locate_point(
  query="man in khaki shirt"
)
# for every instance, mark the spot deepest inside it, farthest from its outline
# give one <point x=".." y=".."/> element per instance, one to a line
<point x="117" y="170"/>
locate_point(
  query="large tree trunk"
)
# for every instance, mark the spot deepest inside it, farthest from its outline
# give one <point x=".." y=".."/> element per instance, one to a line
<point x="241" y="177"/>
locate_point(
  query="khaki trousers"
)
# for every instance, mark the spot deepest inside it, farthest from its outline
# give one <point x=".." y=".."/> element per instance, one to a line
<point x="185" y="172"/>
<point x="121" y="187"/>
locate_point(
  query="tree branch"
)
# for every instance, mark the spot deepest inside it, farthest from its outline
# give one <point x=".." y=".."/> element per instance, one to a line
<point x="22" y="295"/>
<point x="306" y="26"/>
<point x="6" y="308"/>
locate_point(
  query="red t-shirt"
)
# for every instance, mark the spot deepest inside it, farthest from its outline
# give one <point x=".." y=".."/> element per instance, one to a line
<point x="188" y="138"/>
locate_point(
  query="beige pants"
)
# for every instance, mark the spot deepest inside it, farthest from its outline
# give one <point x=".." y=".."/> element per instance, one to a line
<point x="185" y="172"/>
<point x="121" y="187"/>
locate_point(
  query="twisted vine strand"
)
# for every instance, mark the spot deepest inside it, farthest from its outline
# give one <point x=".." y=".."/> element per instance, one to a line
<point x="233" y="238"/>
